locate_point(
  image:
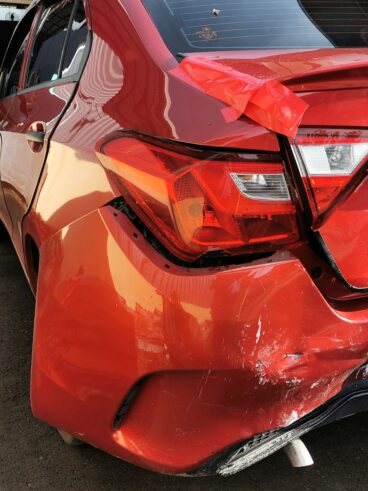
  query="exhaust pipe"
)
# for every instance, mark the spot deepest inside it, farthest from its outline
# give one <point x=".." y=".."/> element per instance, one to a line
<point x="298" y="454"/>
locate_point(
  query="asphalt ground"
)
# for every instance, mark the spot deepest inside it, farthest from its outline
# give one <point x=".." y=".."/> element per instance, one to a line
<point x="32" y="456"/>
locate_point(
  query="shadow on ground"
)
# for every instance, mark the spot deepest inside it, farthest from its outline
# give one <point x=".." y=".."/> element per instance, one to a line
<point x="33" y="457"/>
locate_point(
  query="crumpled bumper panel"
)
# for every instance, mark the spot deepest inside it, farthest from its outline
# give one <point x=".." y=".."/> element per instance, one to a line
<point x="228" y="352"/>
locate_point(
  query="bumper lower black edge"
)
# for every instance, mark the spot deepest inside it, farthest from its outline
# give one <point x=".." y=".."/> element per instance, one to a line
<point x="351" y="400"/>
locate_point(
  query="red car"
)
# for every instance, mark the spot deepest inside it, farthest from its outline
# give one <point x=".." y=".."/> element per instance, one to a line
<point x="185" y="184"/>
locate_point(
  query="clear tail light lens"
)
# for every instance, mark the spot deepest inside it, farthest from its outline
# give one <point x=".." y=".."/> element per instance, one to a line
<point x="265" y="187"/>
<point x="329" y="161"/>
<point x="197" y="201"/>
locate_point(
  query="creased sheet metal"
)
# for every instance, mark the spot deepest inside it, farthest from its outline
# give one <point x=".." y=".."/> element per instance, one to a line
<point x="267" y="102"/>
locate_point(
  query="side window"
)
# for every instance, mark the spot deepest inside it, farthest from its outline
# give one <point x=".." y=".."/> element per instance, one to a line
<point x="14" y="56"/>
<point x="59" y="44"/>
<point x="76" y="44"/>
<point x="12" y="82"/>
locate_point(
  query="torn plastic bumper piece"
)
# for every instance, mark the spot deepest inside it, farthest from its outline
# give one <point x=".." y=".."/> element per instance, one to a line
<point x="267" y="102"/>
<point x="351" y="400"/>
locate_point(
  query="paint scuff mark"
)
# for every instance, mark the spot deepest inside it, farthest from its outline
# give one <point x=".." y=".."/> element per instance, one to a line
<point x="260" y="369"/>
<point x="293" y="356"/>
<point x="292" y="418"/>
<point x="259" y="332"/>
<point x="293" y="383"/>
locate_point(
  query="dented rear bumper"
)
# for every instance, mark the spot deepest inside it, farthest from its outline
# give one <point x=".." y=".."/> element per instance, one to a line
<point x="220" y="354"/>
<point x="351" y="400"/>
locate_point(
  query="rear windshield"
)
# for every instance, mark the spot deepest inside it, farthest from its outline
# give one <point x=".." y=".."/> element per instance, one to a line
<point x="205" y="25"/>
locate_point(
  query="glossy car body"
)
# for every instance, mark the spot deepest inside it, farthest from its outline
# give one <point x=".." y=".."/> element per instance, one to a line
<point x="163" y="364"/>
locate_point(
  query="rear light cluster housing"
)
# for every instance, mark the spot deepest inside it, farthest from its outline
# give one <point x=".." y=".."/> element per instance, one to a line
<point x="197" y="201"/>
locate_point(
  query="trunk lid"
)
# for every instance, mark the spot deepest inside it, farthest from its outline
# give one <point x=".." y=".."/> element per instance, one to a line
<point x="301" y="70"/>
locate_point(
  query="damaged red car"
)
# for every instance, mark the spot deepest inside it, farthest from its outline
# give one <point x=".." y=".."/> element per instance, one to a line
<point x="185" y="184"/>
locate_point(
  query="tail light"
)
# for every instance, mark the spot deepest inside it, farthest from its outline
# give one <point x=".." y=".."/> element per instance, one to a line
<point x="330" y="161"/>
<point x="197" y="201"/>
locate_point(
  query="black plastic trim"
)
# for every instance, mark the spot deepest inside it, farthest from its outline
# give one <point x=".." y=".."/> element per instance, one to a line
<point x="128" y="402"/>
<point x="211" y="259"/>
<point x="351" y="400"/>
<point x="335" y="267"/>
<point x="187" y="146"/>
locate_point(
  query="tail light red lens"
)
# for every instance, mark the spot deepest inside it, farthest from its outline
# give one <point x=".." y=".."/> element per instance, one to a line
<point x="329" y="161"/>
<point x="197" y="201"/>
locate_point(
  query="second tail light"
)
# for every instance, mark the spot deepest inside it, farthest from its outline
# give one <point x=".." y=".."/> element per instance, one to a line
<point x="330" y="161"/>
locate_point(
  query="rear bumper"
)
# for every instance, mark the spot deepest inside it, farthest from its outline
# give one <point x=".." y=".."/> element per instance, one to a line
<point x="223" y="353"/>
<point x="351" y="400"/>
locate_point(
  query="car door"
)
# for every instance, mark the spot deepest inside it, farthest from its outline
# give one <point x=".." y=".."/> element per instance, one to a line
<point x="51" y="60"/>
<point x="9" y="82"/>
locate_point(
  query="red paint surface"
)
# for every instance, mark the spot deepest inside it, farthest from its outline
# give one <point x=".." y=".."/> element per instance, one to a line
<point x="229" y="352"/>
<point x="346" y="235"/>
